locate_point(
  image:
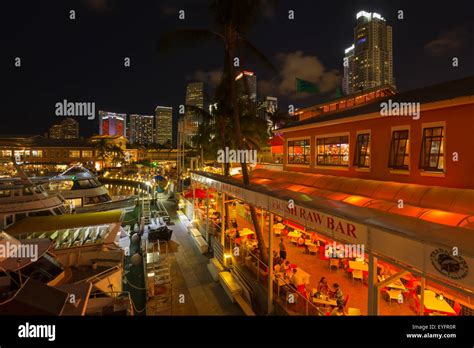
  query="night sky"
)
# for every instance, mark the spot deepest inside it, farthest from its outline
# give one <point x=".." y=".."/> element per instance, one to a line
<point x="82" y="59"/>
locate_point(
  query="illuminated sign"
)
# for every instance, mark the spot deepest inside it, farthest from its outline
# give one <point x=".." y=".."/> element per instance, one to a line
<point x="369" y="15"/>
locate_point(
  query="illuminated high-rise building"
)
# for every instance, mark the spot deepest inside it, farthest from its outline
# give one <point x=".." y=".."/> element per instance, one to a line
<point x="67" y="129"/>
<point x="111" y="123"/>
<point x="164" y="125"/>
<point x="141" y="129"/>
<point x="194" y="97"/>
<point x="247" y="85"/>
<point x="368" y="62"/>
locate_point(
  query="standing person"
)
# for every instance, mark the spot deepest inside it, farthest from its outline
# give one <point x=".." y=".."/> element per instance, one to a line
<point x="338" y="294"/>
<point x="282" y="249"/>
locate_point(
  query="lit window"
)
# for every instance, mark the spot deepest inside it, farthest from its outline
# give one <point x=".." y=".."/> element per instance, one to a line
<point x="333" y="151"/>
<point x="432" y="153"/>
<point x="87" y="153"/>
<point x="362" y="155"/>
<point x="298" y="151"/>
<point x="399" y="150"/>
<point x="37" y="153"/>
<point x="74" y="153"/>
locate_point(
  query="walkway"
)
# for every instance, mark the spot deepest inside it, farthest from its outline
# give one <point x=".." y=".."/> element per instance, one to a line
<point x="190" y="277"/>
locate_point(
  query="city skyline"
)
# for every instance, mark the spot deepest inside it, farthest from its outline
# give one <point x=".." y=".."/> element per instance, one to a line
<point x="429" y="47"/>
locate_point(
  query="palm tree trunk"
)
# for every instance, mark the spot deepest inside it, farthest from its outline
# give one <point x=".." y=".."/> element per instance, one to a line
<point x="232" y="37"/>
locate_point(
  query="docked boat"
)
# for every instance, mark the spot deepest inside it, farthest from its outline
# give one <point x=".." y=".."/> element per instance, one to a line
<point x="81" y="256"/>
<point x="84" y="192"/>
<point x="20" y="198"/>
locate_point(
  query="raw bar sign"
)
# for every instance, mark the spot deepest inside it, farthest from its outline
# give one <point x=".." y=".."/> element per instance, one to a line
<point x="332" y="226"/>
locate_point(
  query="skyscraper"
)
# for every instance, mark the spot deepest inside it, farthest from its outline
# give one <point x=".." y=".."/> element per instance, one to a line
<point x="67" y="129"/>
<point x="267" y="106"/>
<point x="164" y="124"/>
<point x="247" y="85"/>
<point x="194" y="97"/>
<point x="111" y="123"/>
<point x="141" y="129"/>
<point x="368" y="62"/>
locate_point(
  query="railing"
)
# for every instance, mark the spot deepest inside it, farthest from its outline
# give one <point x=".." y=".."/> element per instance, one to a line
<point x="293" y="301"/>
<point x="118" y="296"/>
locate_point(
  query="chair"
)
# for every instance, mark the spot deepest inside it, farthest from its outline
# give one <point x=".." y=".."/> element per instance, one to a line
<point x="357" y="274"/>
<point x="393" y="295"/>
<point x="457" y="308"/>
<point x="353" y="312"/>
<point x="333" y="263"/>
<point x="313" y="249"/>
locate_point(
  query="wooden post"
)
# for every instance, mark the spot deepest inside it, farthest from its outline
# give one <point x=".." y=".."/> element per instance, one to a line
<point x="223" y="217"/>
<point x="270" y="263"/>
<point x="422" y="296"/>
<point x="373" y="300"/>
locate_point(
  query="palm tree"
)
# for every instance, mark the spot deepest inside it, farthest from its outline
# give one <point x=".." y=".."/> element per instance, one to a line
<point x="118" y="156"/>
<point x="103" y="150"/>
<point x="232" y="19"/>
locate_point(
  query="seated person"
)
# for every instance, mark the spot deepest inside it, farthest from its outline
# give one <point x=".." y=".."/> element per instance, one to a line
<point x="323" y="287"/>
<point x="301" y="241"/>
<point x="297" y="281"/>
<point x="277" y="268"/>
<point x="286" y="266"/>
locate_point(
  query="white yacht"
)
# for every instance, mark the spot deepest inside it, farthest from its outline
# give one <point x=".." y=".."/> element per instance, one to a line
<point x="84" y="192"/>
<point x="20" y="198"/>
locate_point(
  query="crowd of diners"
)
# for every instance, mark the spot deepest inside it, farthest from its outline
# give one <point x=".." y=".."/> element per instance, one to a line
<point x="311" y="243"/>
<point x="295" y="278"/>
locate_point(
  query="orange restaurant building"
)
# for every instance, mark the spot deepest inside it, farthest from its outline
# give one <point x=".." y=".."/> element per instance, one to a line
<point x="402" y="185"/>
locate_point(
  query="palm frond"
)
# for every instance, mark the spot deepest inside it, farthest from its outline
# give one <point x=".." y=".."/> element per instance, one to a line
<point x="187" y="37"/>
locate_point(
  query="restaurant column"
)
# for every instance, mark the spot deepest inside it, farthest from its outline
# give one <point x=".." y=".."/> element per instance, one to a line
<point x="422" y="296"/>
<point x="270" y="262"/>
<point x="223" y="198"/>
<point x="193" y="183"/>
<point x="207" y="213"/>
<point x="373" y="301"/>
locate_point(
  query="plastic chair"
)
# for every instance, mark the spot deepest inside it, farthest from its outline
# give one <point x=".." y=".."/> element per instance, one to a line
<point x="333" y="263"/>
<point x="357" y="274"/>
<point x="457" y="308"/>
<point x="354" y="312"/>
<point x="346" y="300"/>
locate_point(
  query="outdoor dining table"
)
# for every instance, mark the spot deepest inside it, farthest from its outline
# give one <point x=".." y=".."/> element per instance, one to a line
<point x="294" y="234"/>
<point x="359" y="265"/>
<point x="280" y="281"/>
<point x="304" y="274"/>
<point x="435" y="304"/>
<point x="245" y="232"/>
<point x="326" y="302"/>
<point x="397" y="285"/>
